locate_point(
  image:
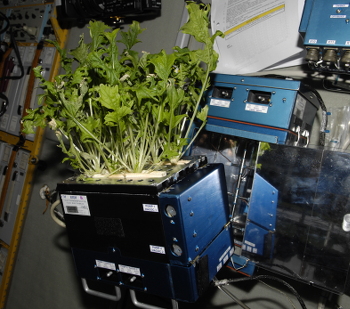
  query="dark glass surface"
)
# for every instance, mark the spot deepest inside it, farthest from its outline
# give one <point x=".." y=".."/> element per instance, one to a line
<point x="313" y="184"/>
<point x="314" y="196"/>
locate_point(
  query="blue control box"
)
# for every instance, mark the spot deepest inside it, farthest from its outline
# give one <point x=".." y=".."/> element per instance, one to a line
<point x="274" y="110"/>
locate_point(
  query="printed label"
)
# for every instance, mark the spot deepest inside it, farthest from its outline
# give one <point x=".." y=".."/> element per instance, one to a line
<point x="75" y="205"/>
<point x="150" y="207"/>
<point x="340" y="5"/>
<point x="224" y="254"/>
<point x="337" y="16"/>
<point x="129" y="270"/>
<point x="4" y="120"/>
<point x="18" y="199"/>
<point x="299" y="108"/>
<point x="256" y="108"/>
<point x="106" y="265"/>
<point x="13" y="123"/>
<point x="157" y="249"/>
<point x="249" y="243"/>
<point x="49" y="54"/>
<point x="24" y="161"/>
<point x="30" y="54"/>
<point x="6" y="154"/>
<point x="220" y="103"/>
<point x="312" y="41"/>
<point x="331" y="41"/>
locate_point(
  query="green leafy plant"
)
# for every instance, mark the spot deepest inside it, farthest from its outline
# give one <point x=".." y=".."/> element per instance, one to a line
<point x="116" y="112"/>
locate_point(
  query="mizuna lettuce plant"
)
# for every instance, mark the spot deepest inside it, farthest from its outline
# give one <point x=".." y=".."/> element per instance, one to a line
<point x="118" y="111"/>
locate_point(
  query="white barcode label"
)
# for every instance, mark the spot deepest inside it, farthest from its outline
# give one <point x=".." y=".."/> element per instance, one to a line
<point x="75" y="205"/>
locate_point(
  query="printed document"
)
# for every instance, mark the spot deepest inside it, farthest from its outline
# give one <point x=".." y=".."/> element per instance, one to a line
<point x="258" y="34"/>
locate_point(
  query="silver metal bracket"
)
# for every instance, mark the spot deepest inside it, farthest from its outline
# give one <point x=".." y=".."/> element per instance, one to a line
<point x="138" y="304"/>
<point x="116" y="297"/>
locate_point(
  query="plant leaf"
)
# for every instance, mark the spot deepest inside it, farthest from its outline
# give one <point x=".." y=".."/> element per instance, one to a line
<point x="91" y="125"/>
<point x="109" y="96"/>
<point x="130" y="38"/>
<point x="97" y="30"/>
<point x="163" y="64"/>
<point x="119" y="110"/>
<point x="197" y="25"/>
<point x="203" y="113"/>
<point x="117" y="116"/>
<point x="81" y="52"/>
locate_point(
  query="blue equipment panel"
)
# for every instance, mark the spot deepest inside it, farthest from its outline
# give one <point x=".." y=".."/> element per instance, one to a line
<point x="257" y="241"/>
<point x="272" y="110"/>
<point x="324" y="27"/>
<point x="261" y="225"/>
<point x="326" y="23"/>
<point x="200" y="215"/>
<point x="263" y="203"/>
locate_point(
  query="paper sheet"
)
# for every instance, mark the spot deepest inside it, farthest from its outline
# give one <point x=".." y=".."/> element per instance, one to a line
<point x="258" y="33"/>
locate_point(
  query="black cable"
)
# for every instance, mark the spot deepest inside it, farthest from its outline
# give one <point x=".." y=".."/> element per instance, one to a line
<point x="15" y="48"/>
<point x="294" y="292"/>
<point x="4" y="17"/>
<point x="284" y="268"/>
<point x="3" y="97"/>
<point x="261" y="277"/>
<point x="235" y="299"/>
<point x="18" y="55"/>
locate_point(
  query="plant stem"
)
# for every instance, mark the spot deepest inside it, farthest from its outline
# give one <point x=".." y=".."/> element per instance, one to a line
<point x="197" y="104"/>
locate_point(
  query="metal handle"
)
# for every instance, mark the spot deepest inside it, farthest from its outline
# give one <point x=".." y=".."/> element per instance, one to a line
<point x="101" y="294"/>
<point x="146" y="306"/>
<point x="298" y="132"/>
<point x="306" y="134"/>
